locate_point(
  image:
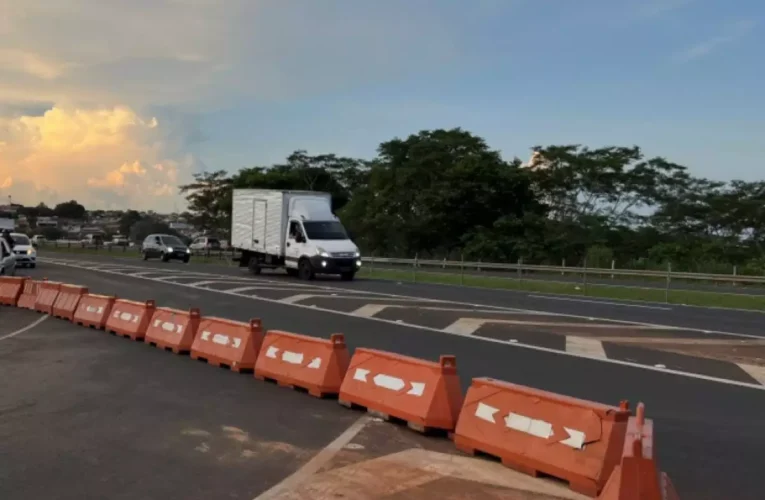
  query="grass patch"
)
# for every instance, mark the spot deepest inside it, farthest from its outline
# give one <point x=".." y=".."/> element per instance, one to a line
<point x="685" y="297"/>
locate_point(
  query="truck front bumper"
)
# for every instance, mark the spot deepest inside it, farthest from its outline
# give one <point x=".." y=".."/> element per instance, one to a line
<point x="330" y="265"/>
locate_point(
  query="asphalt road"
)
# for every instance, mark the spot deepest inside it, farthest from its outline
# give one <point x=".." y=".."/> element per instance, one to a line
<point x="710" y="435"/>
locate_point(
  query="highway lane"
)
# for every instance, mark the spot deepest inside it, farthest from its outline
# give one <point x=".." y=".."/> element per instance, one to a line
<point x="711" y="319"/>
<point x="709" y="435"/>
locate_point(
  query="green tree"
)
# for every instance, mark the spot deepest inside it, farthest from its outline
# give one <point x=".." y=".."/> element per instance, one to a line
<point x="70" y="210"/>
<point x="209" y="200"/>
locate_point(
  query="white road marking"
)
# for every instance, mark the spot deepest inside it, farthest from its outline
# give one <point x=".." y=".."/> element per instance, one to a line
<point x="295" y="298"/>
<point x="313" y="466"/>
<point x="468" y="326"/>
<point x="499" y="341"/>
<point x="25" y="329"/>
<point x="583" y="346"/>
<point x="369" y="310"/>
<point x="601" y="302"/>
<point x="756" y="372"/>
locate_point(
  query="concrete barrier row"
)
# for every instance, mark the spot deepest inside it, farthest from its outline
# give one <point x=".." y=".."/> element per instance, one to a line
<point x="601" y="451"/>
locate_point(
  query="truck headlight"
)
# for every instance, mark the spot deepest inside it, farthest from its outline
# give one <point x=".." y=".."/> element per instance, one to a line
<point x="322" y="252"/>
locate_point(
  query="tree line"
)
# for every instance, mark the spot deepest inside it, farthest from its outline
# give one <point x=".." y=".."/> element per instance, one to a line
<point x="447" y="194"/>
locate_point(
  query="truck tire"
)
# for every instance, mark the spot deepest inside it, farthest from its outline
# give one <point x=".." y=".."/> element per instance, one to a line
<point x="347" y="276"/>
<point x="305" y="270"/>
<point x="253" y="265"/>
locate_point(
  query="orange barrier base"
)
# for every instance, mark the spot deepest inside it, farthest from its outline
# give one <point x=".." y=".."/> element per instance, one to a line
<point x="93" y="311"/>
<point x="67" y="301"/>
<point x="46" y="296"/>
<point x="299" y="361"/>
<point x="10" y="290"/>
<point x="424" y="394"/>
<point x="173" y="330"/>
<point x="226" y="343"/>
<point x="130" y="319"/>
<point x="28" y="295"/>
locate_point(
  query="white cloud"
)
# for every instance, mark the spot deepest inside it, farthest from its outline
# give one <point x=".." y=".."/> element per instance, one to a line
<point x="730" y="34"/>
<point x="109" y="157"/>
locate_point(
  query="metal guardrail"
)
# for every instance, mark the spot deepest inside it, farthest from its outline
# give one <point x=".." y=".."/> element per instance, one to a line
<point x="520" y="268"/>
<point x="452" y="266"/>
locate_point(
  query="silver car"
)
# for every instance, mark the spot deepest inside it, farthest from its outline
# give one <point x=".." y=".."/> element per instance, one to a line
<point x="165" y="247"/>
<point x="7" y="260"/>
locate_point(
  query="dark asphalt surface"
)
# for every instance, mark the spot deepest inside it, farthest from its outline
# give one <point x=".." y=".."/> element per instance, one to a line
<point x="737" y="321"/>
<point x="710" y="437"/>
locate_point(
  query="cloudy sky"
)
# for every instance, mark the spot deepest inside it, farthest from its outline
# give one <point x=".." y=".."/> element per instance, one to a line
<point x="114" y="103"/>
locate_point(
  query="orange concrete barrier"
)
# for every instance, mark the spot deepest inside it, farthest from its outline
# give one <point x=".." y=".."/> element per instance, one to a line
<point x="28" y="295"/>
<point x="94" y="310"/>
<point x="172" y="329"/>
<point x="10" y="290"/>
<point x="46" y="296"/>
<point x="425" y="394"/>
<point x="67" y="300"/>
<point x="637" y="477"/>
<point x="232" y="344"/>
<point x="129" y="318"/>
<point x="535" y="431"/>
<point x="292" y="360"/>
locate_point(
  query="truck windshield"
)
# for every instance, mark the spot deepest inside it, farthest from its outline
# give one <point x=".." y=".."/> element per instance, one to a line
<point x="329" y="230"/>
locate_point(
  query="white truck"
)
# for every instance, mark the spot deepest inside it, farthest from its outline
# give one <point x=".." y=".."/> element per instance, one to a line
<point x="292" y="229"/>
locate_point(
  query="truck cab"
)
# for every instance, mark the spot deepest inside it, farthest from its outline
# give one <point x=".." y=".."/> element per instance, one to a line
<point x="320" y="247"/>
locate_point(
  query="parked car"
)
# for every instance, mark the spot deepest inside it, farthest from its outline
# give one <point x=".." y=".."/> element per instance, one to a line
<point x="205" y="243"/>
<point x="38" y="240"/>
<point x="26" y="254"/>
<point x="7" y="260"/>
<point x="165" y="247"/>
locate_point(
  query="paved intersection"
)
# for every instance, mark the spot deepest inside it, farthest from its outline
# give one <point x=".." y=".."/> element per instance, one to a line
<point x="731" y="357"/>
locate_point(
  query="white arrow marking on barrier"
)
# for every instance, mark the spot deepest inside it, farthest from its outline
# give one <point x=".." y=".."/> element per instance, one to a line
<point x="389" y="382"/>
<point x="360" y="374"/>
<point x="126" y="316"/>
<point x="237" y="342"/>
<point x="271" y="352"/>
<point x="543" y="429"/>
<point x="418" y="388"/>
<point x="92" y="309"/>
<point x="293" y="358"/>
<point x="170" y="327"/>
<point x="315" y="363"/>
<point x="575" y="438"/>
<point x="221" y="339"/>
<point x="206" y="335"/>
<point x="486" y="412"/>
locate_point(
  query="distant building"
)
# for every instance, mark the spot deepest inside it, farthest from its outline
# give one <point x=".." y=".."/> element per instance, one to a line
<point x="47" y="222"/>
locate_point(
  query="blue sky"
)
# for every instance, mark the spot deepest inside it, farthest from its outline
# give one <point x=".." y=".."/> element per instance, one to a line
<point x="203" y="86"/>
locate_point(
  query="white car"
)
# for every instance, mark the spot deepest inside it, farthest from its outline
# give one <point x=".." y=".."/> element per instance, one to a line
<point x="7" y="260"/>
<point x="26" y="254"/>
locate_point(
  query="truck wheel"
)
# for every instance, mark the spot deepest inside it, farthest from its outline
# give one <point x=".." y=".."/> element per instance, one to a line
<point x="292" y="272"/>
<point x="165" y="257"/>
<point x="254" y="265"/>
<point x="305" y="270"/>
<point x="347" y="276"/>
<point x="146" y="256"/>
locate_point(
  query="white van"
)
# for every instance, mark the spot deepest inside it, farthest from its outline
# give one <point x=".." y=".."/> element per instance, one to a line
<point x="7" y="259"/>
<point x="292" y="229"/>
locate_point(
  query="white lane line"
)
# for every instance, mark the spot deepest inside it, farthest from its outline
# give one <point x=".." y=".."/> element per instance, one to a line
<point x="532" y="347"/>
<point x="584" y="346"/>
<point x="313" y="466"/>
<point x="296" y="298"/>
<point x="464" y="326"/>
<point x="468" y="326"/>
<point x="756" y="372"/>
<point x="601" y="302"/>
<point x="25" y="329"/>
<point x="85" y="264"/>
<point x="369" y="310"/>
